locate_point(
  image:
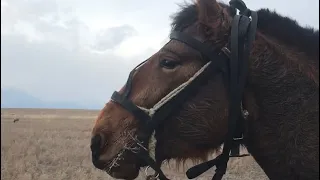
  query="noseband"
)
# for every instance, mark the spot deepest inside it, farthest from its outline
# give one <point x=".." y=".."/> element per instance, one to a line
<point x="234" y="66"/>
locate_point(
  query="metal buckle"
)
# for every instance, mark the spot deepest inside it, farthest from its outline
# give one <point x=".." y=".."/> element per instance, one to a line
<point x="245" y="113"/>
<point x="226" y="51"/>
<point x="150" y="177"/>
<point x="238" y="138"/>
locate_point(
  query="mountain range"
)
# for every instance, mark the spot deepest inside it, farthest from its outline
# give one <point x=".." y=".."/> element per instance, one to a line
<point x="15" y="98"/>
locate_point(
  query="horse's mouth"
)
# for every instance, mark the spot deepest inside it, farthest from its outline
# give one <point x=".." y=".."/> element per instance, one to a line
<point x="124" y="171"/>
<point x="124" y="165"/>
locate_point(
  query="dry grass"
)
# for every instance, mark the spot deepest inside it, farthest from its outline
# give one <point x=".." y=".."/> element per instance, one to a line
<point x="54" y="145"/>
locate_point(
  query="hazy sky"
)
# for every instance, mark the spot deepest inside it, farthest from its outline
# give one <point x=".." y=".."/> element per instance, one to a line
<point x="80" y="50"/>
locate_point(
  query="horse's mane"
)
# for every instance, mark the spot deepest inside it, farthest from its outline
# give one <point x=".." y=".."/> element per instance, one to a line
<point x="287" y="30"/>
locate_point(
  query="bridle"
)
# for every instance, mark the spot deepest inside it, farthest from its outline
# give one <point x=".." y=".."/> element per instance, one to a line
<point x="234" y="66"/>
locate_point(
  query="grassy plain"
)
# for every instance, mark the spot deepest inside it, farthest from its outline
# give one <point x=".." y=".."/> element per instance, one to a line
<point x="53" y="144"/>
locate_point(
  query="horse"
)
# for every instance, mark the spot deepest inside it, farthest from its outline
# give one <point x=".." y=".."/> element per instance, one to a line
<point x="246" y="79"/>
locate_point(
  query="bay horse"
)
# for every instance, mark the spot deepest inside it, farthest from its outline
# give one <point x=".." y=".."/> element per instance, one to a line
<point x="239" y="79"/>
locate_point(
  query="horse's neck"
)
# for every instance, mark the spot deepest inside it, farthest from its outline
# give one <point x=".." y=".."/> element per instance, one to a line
<point x="283" y="130"/>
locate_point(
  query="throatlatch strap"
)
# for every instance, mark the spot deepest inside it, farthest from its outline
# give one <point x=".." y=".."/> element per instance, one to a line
<point x="221" y="161"/>
<point x="240" y="48"/>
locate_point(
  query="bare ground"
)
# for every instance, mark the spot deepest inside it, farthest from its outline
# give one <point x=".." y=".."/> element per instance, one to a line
<point x="48" y="144"/>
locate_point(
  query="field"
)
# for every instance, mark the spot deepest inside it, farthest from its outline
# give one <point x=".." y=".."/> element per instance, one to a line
<point x="48" y="144"/>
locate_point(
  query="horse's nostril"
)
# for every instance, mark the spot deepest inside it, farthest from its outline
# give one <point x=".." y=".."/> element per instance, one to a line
<point x="96" y="142"/>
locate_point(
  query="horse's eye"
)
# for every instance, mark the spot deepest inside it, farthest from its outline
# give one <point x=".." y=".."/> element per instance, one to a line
<point x="168" y="64"/>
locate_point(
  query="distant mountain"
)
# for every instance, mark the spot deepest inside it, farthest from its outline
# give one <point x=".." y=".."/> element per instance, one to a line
<point x="15" y="98"/>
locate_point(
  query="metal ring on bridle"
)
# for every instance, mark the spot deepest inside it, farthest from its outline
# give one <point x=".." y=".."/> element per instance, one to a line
<point x="156" y="176"/>
<point x="146" y="172"/>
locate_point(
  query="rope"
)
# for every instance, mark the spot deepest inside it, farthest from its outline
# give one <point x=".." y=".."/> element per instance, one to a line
<point x="174" y="92"/>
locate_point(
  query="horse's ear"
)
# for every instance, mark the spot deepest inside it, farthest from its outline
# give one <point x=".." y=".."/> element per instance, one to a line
<point x="208" y="11"/>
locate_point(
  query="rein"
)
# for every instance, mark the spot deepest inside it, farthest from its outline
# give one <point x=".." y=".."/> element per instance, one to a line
<point x="232" y="61"/>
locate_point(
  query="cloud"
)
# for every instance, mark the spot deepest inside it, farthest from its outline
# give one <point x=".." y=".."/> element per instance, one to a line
<point x="50" y="55"/>
<point x="53" y="72"/>
<point x="76" y="51"/>
<point x="111" y="37"/>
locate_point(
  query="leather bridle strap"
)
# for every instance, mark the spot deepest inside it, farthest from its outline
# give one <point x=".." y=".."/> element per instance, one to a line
<point x="132" y="108"/>
<point x="205" y="51"/>
<point x="234" y="103"/>
<point x="240" y="48"/>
